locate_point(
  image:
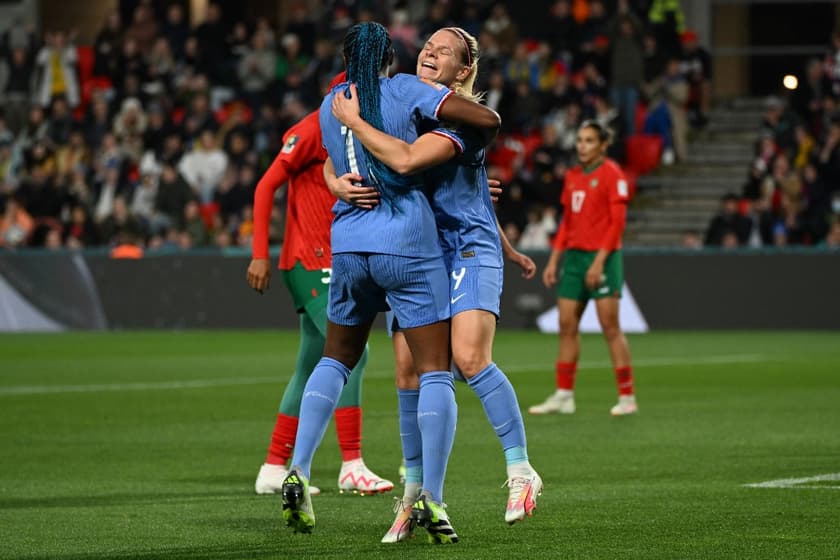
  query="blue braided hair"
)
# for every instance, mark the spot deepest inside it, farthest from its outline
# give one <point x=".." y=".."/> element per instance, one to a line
<point x="368" y="52"/>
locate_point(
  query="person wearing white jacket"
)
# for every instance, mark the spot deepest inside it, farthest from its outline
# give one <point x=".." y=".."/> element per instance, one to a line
<point x="56" y="63"/>
<point x="204" y="167"/>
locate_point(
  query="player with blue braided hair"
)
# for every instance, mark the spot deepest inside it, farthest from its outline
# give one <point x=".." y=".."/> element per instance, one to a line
<point x="385" y="257"/>
<point x="472" y="243"/>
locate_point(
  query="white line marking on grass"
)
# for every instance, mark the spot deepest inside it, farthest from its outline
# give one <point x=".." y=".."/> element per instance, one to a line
<point x="655" y="362"/>
<point x="151" y="386"/>
<point x="231" y="381"/>
<point x="800" y="482"/>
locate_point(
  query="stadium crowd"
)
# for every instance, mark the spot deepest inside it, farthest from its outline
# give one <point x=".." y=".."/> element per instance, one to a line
<point x="154" y="137"/>
<point x="792" y="192"/>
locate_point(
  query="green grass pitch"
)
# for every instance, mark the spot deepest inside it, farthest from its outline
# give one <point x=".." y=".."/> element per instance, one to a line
<point x="146" y="445"/>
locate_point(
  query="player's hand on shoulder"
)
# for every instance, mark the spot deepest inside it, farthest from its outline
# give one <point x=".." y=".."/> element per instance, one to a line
<point x="345" y="106"/>
<point x="259" y="274"/>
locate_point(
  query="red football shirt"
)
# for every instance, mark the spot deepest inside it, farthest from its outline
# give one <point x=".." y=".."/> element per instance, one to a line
<point x="594" y="208"/>
<point x="300" y="163"/>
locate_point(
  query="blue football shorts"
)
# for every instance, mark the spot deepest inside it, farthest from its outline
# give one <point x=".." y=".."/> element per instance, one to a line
<point x="475" y="287"/>
<point x="416" y="289"/>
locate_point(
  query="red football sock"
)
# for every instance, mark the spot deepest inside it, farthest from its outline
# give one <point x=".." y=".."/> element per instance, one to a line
<point x="282" y="439"/>
<point x="348" y="427"/>
<point x="566" y="375"/>
<point x="624" y="380"/>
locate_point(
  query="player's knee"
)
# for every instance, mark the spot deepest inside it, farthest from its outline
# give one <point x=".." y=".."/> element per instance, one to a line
<point x="470" y="361"/>
<point x="611" y="330"/>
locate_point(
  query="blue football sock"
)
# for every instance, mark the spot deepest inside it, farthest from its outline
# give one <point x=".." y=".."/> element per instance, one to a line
<point x="502" y="408"/>
<point x="437" y="414"/>
<point x="320" y="397"/>
<point x="412" y="443"/>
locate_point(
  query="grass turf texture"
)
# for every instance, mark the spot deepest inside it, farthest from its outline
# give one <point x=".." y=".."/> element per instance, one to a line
<point x="146" y="445"/>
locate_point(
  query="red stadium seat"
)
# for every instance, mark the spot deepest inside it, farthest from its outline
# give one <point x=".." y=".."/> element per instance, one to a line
<point x="643" y="152"/>
<point x="85" y="56"/>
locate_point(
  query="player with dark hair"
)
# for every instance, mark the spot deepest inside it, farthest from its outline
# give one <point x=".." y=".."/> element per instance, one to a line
<point x="305" y="267"/>
<point x="472" y="245"/>
<point x="385" y="257"/>
<point x="594" y="200"/>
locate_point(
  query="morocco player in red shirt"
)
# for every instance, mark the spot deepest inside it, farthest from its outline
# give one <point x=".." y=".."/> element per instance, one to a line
<point x="305" y="266"/>
<point x="594" y="200"/>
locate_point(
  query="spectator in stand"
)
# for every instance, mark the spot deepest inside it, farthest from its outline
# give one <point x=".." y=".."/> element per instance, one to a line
<point x="16" y="225"/>
<point x="73" y="155"/>
<point x="56" y="64"/>
<point x="204" y="167"/>
<point x="541" y="224"/>
<point x="829" y="159"/>
<point x="173" y="194"/>
<point x="761" y="221"/>
<point x="667" y="20"/>
<point x="212" y="45"/>
<point x="79" y="230"/>
<point x="120" y="222"/>
<point x="107" y="45"/>
<point x="193" y="226"/>
<point x="817" y="213"/>
<point x="627" y="63"/>
<point x="175" y="29"/>
<point x="805" y="147"/>
<point x="691" y="240"/>
<point x="831" y="241"/>
<point x="561" y="31"/>
<point x="291" y="60"/>
<point x="807" y="99"/>
<point x="667" y="116"/>
<point x="697" y="67"/>
<point x="143" y="28"/>
<point x="110" y="188"/>
<point x="60" y="123"/>
<point x="301" y="26"/>
<point x="499" y="25"/>
<point x="608" y="117"/>
<point x="16" y="90"/>
<point x="160" y="68"/>
<point x="729" y="220"/>
<point x="129" y="126"/>
<point x="778" y="122"/>
<point x="499" y="95"/>
<point x="654" y="61"/>
<point x="256" y="70"/>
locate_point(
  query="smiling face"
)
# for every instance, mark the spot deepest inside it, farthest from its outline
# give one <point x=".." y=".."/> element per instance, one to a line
<point x="443" y="59"/>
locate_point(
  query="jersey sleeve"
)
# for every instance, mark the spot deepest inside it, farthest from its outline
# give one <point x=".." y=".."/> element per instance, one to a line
<point x="559" y="241"/>
<point x="453" y="136"/>
<point x="618" y="197"/>
<point x="422" y="96"/>
<point x="301" y="146"/>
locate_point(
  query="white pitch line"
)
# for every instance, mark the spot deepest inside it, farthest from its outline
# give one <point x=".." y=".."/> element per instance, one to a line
<point x="230" y="381"/>
<point x="799" y="482"/>
<point x="654" y="362"/>
<point x="151" y="386"/>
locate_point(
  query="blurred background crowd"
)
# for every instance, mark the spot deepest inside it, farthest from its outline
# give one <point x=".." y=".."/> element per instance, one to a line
<point x="155" y="135"/>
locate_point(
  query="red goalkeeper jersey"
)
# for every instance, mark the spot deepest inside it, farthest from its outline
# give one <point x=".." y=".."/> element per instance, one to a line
<point x="594" y="208"/>
<point x="299" y="164"/>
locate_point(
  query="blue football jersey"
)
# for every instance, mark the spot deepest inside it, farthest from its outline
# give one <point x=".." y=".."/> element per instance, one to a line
<point x="461" y="202"/>
<point x="403" y="222"/>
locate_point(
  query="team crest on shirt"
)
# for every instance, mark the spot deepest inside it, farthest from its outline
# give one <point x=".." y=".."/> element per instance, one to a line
<point x="593" y="183"/>
<point x="290" y="144"/>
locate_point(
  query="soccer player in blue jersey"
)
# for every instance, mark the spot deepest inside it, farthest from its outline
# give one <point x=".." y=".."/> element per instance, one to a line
<point x="472" y="244"/>
<point x="388" y="256"/>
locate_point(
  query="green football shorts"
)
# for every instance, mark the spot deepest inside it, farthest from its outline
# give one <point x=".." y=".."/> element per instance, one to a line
<point x="309" y="289"/>
<point x="572" y="284"/>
